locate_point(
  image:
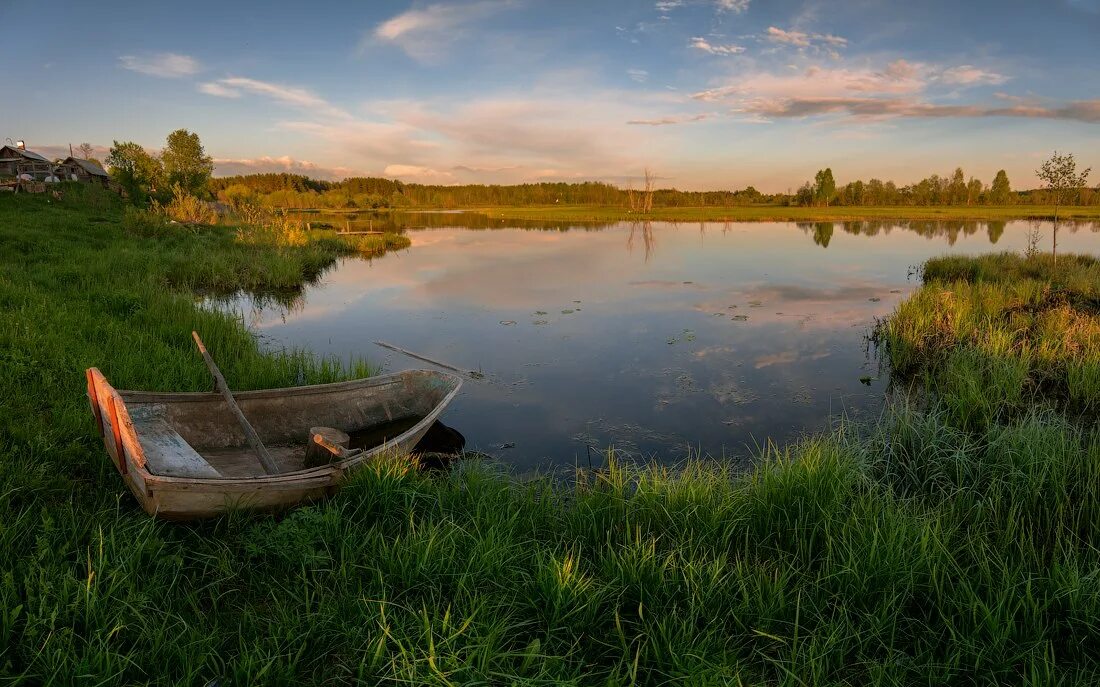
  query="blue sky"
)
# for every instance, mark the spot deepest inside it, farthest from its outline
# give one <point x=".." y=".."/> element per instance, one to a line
<point x="706" y="93"/>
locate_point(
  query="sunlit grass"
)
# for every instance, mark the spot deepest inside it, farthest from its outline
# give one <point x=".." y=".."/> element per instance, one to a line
<point x="992" y="336"/>
<point x="915" y="552"/>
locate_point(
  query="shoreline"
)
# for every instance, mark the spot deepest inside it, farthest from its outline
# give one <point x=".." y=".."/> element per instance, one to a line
<point x="831" y="558"/>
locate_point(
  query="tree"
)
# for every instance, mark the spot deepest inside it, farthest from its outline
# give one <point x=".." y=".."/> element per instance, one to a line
<point x="186" y="163"/>
<point x="86" y="151"/>
<point x="1060" y="178"/>
<point x="804" y="195"/>
<point x="139" y="172"/>
<point x="956" y="188"/>
<point x="824" y="186"/>
<point x="1000" y="193"/>
<point x="973" y="191"/>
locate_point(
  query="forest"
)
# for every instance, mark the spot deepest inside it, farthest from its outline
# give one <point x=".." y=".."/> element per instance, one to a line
<point x="298" y="191"/>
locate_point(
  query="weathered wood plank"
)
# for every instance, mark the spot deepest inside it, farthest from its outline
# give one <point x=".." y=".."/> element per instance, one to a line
<point x="253" y="439"/>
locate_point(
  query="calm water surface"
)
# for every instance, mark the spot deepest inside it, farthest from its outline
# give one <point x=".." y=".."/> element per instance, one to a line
<point x="662" y="340"/>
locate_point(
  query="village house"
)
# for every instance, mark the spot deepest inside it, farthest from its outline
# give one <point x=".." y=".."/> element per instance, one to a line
<point x="77" y="169"/>
<point x="16" y="161"/>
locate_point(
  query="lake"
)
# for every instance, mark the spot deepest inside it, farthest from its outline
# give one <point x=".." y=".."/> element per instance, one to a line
<point x="661" y="340"/>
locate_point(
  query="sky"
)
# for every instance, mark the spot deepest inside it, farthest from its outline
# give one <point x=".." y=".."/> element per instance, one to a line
<point x="708" y="94"/>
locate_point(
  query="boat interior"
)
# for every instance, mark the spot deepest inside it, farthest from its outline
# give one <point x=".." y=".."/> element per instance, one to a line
<point x="196" y="434"/>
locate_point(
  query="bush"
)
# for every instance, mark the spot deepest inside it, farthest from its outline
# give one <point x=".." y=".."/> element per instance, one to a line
<point x="187" y="209"/>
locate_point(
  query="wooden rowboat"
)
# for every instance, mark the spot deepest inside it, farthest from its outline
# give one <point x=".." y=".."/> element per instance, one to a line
<point x="184" y="456"/>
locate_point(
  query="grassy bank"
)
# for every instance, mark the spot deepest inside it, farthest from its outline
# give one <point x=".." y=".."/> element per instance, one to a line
<point x="993" y="336"/>
<point x="777" y="213"/>
<point x="917" y="553"/>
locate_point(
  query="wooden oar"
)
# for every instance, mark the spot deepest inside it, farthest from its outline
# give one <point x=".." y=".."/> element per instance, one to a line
<point x="253" y="438"/>
<point x="445" y="366"/>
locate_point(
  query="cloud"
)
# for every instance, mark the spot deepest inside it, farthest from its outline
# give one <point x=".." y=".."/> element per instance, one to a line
<point x="898" y="77"/>
<point x="542" y="132"/>
<point x="700" y="43"/>
<point x="426" y="33"/>
<point x="735" y="6"/>
<point x="234" y="166"/>
<point x="639" y="75"/>
<point x="419" y="173"/>
<point x="216" y="89"/>
<point x="890" y="108"/>
<point x="235" y="86"/>
<point x="168" y="65"/>
<point x="969" y="75"/>
<point x="712" y="94"/>
<point x="667" y="5"/>
<point x="678" y="119"/>
<point x="801" y="39"/>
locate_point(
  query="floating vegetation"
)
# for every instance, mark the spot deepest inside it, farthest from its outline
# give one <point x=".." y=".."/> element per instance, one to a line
<point x="731" y="391"/>
<point x="802" y="397"/>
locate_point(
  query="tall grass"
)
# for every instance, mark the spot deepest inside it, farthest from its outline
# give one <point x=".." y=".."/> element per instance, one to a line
<point x="918" y="555"/>
<point x="915" y="552"/>
<point x="994" y="335"/>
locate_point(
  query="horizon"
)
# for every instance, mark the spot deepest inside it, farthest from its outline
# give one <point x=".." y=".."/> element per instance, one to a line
<point x="709" y="94"/>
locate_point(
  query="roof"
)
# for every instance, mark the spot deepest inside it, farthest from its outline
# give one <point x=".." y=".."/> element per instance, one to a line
<point x="88" y="166"/>
<point x="20" y="152"/>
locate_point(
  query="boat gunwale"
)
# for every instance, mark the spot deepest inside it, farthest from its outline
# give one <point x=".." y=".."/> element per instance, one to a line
<point x="138" y="396"/>
<point x="324" y="474"/>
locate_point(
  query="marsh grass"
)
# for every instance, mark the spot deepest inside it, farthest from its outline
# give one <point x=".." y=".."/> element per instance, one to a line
<point x="915" y="552"/>
<point x="995" y="335"/>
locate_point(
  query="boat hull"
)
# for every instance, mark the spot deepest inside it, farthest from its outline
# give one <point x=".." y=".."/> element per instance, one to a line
<point x="133" y="425"/>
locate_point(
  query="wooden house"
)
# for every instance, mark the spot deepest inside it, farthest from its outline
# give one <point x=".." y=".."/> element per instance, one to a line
<point x="16" y="162"/>
<point x="77" y="169"/>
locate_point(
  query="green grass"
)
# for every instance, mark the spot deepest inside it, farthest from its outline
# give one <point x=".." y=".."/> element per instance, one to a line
<point x="995" y="335"/>
<point x="777" y="213"/>
<point x="915" y="552"/>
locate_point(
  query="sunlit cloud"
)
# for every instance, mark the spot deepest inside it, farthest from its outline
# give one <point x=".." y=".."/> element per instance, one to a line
<point x="263" y="164"/>
<point x="968" y="75"/>
<point x="168" y="65"/>
<point x="700" y="43"/>
<point x="736" y="6"/>
<point x="816" y="81"/>
<point x="890" y="108"/>
<point x="426" y="33"/>
<point x="801" y="39"/>
<point x="235" y="86"/>
<point x="418" y="173"/>
<point x="216" y="89"/>
<point x="664" y="121"/>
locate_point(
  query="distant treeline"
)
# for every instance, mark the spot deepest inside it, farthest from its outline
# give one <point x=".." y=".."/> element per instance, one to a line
<point x="934" y="190"/>
<point x="298" y="191"/>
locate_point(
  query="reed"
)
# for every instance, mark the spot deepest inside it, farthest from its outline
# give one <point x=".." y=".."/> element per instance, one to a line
<point x="996" y="335"/>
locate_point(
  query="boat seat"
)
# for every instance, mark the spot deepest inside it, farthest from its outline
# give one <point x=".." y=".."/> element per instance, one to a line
<point x="167" y="454"/>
